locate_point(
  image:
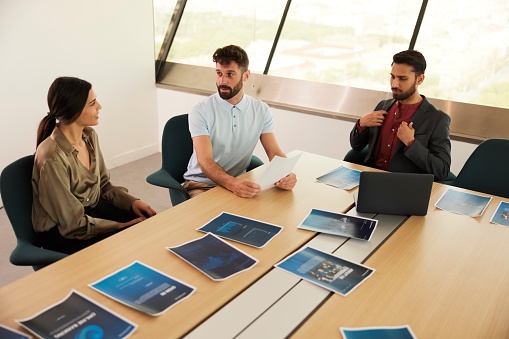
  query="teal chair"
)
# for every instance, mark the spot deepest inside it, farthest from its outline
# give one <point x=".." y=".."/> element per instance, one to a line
<point x="16" y="191"/>
<point x="357" y="157"/>
<point x="487" y="168"/>
<point x="176" y="149"/>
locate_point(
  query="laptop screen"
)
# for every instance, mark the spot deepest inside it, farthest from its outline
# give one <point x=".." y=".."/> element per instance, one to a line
<point x="394" y="193"/>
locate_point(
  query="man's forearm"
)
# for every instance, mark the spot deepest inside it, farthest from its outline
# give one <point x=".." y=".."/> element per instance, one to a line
<point x="216" y="173"/>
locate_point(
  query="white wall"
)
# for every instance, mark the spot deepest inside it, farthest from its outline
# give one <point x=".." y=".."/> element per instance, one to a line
<point x="295" y="131"/>
<point x="108" y="43"/>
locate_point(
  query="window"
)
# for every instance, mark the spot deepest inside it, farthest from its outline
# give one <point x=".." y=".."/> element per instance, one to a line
<point x="466" y="51"/>
<point x="349" y="43"/>
<point x="163" y="10"/>
<point x="209" y="24"/>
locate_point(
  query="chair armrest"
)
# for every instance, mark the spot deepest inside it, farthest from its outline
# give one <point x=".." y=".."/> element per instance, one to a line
<point x="162" y="178"/>
<point x="26" y="254"/>
<point x="449" y="180"/>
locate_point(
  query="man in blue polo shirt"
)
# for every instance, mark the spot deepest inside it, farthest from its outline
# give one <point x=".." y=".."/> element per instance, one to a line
<point x="225" y="129"/>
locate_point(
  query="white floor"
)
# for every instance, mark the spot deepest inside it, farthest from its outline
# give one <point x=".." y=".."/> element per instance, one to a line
<point x="131" y="176"/>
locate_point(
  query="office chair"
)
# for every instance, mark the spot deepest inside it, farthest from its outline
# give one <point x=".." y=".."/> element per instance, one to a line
<point x="177" y="148"/>
<point x="16" y="191"/>
<point x="357" y="157"/>
<point x="486" y="169"/>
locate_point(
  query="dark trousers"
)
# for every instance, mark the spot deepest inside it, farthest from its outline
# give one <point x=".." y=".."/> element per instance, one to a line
<point x="53" y="240"/>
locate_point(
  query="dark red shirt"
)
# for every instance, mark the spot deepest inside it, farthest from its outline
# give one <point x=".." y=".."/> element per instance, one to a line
<point x="388" y="139"/>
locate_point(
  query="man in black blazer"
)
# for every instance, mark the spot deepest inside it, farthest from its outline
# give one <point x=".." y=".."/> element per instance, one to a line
<point x="406" y="133"/>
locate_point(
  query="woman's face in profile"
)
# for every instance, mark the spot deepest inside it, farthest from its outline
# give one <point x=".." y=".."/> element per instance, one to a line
<point x="90" y="114"/>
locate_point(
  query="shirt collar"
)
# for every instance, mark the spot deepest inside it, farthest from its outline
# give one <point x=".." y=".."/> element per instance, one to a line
<point x="241" y="105"/>
<point x="64" y="144"/>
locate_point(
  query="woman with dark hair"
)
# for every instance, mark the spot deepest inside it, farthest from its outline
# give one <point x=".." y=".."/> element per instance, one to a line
<point x="75" y="205"/>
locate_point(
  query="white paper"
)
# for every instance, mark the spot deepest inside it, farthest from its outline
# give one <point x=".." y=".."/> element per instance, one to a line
<point x="278" y="169"/>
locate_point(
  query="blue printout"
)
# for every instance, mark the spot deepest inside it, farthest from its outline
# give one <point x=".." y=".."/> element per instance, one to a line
<point x="214" y="257"/>
<point x="472" y="205"/>
<point x="501" y="215"/>
<point x="385" y="332"/>
<point x="339" y="224"/>
<point x="342" y="177"/>
<point x="78" y="317"/>
<point x="325" y="270"/>
<point x="9" y="333"/>
<point x="143" y="288"/>
<point x="244" y="230"/>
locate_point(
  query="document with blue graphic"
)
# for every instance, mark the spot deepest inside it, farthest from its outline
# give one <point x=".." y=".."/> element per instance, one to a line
<point x="144" y="288"/>
<point x="382" y="332"/>
<point x="501" y="215"/>
<point x="214" y="257"/>
<point x="342" y="177"/>
<point x="9" y="333"/>
<point x="469" y="204"/>
<point x="339" y="224"/>
<point x="244" y="230"/>
<point x="77" y="316"/>
<point x="325" y="270"/>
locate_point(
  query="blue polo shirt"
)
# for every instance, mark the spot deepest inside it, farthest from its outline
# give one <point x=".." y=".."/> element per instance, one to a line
<point x="234" y="131"/>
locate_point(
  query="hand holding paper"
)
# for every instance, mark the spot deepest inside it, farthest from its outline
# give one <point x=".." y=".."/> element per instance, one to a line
<point x="278" y="169"/>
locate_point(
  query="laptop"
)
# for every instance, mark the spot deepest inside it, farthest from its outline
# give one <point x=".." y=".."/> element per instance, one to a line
<point x="394" y="193"/>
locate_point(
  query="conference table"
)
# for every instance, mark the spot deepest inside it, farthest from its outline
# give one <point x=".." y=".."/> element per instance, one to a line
<point x="442" y="274"/>
<point x="147" y="242"/>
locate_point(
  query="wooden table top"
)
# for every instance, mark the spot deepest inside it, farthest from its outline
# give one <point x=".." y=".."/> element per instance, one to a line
<point x="147" y="242"/>
<point x="446" y="275"/>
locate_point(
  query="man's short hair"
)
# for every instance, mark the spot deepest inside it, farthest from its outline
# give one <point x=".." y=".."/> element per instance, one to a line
<point x="225" y="55"/>
<point x="412" y="58"/>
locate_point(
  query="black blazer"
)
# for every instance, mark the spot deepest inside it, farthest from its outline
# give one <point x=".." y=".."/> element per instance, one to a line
<point x="431" y="151"/>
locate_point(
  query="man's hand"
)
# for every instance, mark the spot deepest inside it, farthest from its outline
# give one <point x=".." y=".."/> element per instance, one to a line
<point x="406" y="133"/>
<point x="244" y="188"/>
<point x="288" y="182"/>
<point x="373" y="119"/>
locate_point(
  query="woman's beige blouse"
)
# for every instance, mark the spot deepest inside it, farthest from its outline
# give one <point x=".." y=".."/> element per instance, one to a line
<point x="63" y="187"/>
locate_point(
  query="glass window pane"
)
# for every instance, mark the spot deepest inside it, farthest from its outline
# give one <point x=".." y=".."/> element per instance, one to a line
<point x="163" y="10"/>
<point x="341" y="42"/>
<point x="209" y="24"/>
<point x="467" y="52"/>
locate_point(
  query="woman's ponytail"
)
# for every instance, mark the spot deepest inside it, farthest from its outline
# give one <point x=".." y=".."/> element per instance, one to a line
<point x="46" y="127"/>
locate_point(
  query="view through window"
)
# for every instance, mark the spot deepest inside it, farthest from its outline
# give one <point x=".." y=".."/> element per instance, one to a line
<point x="209" y="24"/>
<point x="352" y="43"/>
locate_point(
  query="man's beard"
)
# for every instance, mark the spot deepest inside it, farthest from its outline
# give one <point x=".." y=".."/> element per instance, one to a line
<point x="405" y="95"/>
<point x="233" y="91"/>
